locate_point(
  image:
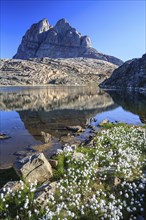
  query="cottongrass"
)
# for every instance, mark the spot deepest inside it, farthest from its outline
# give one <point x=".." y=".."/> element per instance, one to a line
<point x="87" y="190"/>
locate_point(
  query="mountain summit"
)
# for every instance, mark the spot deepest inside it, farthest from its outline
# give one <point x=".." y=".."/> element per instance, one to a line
<point x="60" y="41"/>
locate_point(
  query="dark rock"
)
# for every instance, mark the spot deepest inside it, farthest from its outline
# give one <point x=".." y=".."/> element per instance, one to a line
<point x="53" y="163"/>
<point x="132" y="74"/>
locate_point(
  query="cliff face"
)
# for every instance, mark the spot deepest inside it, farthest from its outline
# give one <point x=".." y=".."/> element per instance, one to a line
<point x="132" y="74"/>
<point x="60" y="41"/>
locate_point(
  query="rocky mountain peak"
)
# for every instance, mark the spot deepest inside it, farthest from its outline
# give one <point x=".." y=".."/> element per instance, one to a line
<point x="60" y="41"/>
<point x="62" y="26"/>
<point x="43" y="25"/>
<point x="36" y="29"/>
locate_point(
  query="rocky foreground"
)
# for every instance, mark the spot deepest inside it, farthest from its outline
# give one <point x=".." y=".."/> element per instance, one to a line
<point x="44" y="71"/>
<point x="104" y="179"/>
<point x="132" y="74"/>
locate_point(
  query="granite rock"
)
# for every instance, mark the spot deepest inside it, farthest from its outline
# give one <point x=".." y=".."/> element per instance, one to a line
<point x="60" y="41"/>
<point x="32" y="168"/>
<point x="40" y="71"/>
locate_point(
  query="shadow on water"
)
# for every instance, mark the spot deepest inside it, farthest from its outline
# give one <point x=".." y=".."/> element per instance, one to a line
<point x="131" y="101"/>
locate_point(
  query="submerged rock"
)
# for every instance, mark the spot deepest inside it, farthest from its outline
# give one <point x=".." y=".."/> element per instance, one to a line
<point x="46" y="137"/>
<point x="75" y="128"/>
<point x="71" y="140"/>
<point x="4" y="136"/>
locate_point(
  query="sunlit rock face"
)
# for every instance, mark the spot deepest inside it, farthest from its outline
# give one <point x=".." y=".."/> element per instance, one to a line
<point x="60" y="41"/>
<point x="134" y="102"/>
<point x="40" y="71"/>
<point x="132" y="74"/>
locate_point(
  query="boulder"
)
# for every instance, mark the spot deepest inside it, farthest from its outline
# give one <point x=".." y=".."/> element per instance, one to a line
<point x="10" y="187"/>
<point x="35" y="167"/>
<point x="42" y="193"/>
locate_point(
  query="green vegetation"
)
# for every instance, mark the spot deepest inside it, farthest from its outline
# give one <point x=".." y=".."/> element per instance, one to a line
<point x="105" y="183"/>
<point x="59" y="172"/>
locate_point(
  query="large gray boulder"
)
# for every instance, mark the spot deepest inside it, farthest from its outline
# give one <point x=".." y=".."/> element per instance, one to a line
<point x="60" y="41"/>
<point x="132" y="74"/>
<point x="32" y="168"/>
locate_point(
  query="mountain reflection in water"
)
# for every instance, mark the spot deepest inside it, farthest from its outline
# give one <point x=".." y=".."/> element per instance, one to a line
<point x="52" y="109"/>
<point x="26" y="112"/>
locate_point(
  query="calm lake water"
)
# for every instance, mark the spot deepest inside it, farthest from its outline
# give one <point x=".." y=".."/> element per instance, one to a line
<point x="26" y="112"/>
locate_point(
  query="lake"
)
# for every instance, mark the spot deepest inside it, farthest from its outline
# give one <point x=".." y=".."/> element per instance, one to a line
<point x="26" y="112"/>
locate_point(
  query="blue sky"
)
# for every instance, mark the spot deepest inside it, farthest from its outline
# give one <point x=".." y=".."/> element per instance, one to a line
<point x="115" y="27"/>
